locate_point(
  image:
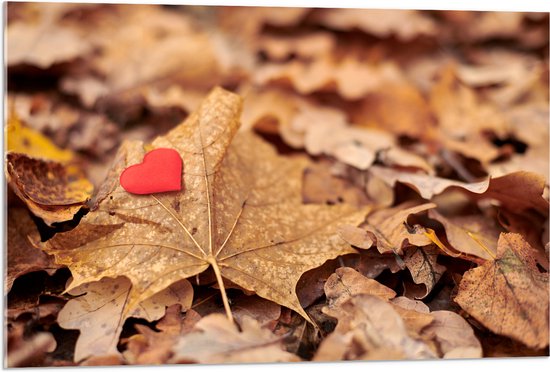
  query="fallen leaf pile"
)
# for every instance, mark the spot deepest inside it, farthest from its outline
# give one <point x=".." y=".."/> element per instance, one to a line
<point x="356" y="184"/>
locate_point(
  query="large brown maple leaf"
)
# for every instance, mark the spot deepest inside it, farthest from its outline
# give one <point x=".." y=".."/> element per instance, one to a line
<point x="239" y="211"/>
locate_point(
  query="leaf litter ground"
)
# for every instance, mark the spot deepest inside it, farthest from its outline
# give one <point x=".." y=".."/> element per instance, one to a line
<point x="351" y="194"/>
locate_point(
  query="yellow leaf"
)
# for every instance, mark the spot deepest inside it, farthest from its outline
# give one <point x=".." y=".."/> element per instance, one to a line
<point x="24" y="140"/>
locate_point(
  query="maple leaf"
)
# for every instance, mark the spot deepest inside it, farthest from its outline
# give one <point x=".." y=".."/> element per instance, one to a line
<point x="508" y="294"/>
<point x="240" y="212"/>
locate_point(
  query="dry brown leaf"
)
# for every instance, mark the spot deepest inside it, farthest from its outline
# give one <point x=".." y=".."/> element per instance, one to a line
<point x="217" y="340"/>
<point x="27" y="352"/>
<point x="150" y="347"/>
<point x="518" y="192"/>
<point x="305" y="46"/>
<point x="351" y="78"/>
<point x="239" y="212"/>
<point x="356" y="236"/>
<point x="404" y="24"/>
<point x="509" y="295"/>
<point x="372" y="263"/>
<point x="53" y="191"/>
<point x="390" y="230"/>
<point x="369" y="323"/>
<point x="22" y="256"/>
<point x="462" y="117"/>
<point x="171" y="46"/>
<point x="426" y="186"/>
<point x="102" y="307"/>
<point x="331" y="135"/>
<point x="346" y="283"/>
<point x="515" y="191"/>
<point x="423" y="266"/>
<point x="396" y="156"/>
<point x="322" y="186"/>
<point x="26" y="41"/>
<point x="475" y="235"/>
<point x="454" y="336"/>
<point x="415" y="314"/>
<point x="378" y="110"/>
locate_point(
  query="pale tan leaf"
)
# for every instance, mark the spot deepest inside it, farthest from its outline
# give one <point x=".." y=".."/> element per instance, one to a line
<point x="100" y="312"/>
<point x="374" y="324"/>
<point x="346" y="283"/>
<point x="217" y="340"/>
<point x="454" y="335"/>
<point x="404" y="24"/>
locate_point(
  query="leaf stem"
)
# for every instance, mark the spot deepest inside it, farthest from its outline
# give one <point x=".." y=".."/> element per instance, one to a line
<point x="219" y="278"/>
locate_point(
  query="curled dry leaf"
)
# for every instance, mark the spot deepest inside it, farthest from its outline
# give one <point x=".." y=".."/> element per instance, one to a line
<point x="26" y="353"/>
<point x="239" y="212"/>
<point x="217" y="340"/>
<point x="350" y="78"/>
<point x="377" y="110"/>
<point x="331" y="135"/>
<point x="426" y="186"/>
<point x="473" y="234"/>
<point x="102" y="307"/>
<point x="423" y="266"/>
<point x="305" y="46"/>
<point x="322" y="186"/>
<point x="404" y="24"/>
<point x="25" y="40"/>
<point x="151" y="347"/>
<point x="22" y="256"/>
<point x="390" y="229"/>
<point x="415" y="314"/>
<point x="515" y="191"/>
<point x="509" y="295"/>
<point x="454" y="336"/>
<point x="53" y="191"/>
<point x="346" y="283"/>
<point x="170" y="46"/>
<point x="369" y="323"/>
<point x="356" y="236"/>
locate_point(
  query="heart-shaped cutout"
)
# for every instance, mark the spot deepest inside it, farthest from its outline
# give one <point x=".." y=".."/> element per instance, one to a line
<point x="160" y="171"/>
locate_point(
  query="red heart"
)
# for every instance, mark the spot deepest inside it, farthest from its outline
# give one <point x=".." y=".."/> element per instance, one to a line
<point x="160" y="171"/>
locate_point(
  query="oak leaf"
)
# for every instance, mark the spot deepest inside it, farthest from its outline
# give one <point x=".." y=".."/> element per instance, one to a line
<point x="101" y="308"/>
<point x="240" y="212"/>
<point x="509" y="295"/>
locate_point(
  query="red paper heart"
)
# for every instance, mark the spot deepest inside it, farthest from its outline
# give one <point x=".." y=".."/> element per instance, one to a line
<point x="160" y="171"/>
